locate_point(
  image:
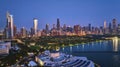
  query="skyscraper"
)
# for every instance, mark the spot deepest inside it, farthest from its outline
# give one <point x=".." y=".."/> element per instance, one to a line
<point x="76" y="29"/>
<point x="47" y="28"/>
<point x="105" y="28"/>
<point x="35" y="27"/>
<point x="58" y="24"/>
<point x="110" y="28"/>
<point x="118" y="29"/>
<point x="89" y="27"/>
<point x="114" y="26"/>
<point x="105" y="25"/>
<point x="23" y="32"/>
<point x="54" y="26"/>
<point x="15" y="31"/>
<point x="9" y="26"/>
<point x="64" y="27"/>
<point x="31" y="32"/>
<point x="11" y="23"/>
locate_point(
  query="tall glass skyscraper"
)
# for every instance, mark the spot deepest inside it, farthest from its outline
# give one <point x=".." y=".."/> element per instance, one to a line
<point x="58" y="24"/>
<point x="35" y="27"/>
<point x="9" y="26"/>
<point x="47" y="28"/>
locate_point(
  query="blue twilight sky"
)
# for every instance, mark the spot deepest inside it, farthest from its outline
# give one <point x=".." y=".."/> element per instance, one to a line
<point x="70" y="12"/>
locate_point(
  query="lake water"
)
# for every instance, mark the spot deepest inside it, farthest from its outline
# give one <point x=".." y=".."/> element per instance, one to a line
<point x="105" y="53"/>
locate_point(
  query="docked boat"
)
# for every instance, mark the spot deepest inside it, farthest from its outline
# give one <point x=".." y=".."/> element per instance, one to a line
<point x="58" y="59"/>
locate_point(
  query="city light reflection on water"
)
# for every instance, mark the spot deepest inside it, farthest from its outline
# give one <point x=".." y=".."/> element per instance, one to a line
<point x="83" y="46"/>
<point x="77" y="46"/>
<point x="115" y="44"/>
<point x="63" y="48"/>
<point x="70" y="48"/>
<point x="100" y="42"/>
<point x="103" y="52"/>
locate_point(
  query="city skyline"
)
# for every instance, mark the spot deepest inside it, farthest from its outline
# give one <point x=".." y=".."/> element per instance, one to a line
<point x="57" y="24"/>
<point x="11" y="31"/>
<point x="69" y="12"/>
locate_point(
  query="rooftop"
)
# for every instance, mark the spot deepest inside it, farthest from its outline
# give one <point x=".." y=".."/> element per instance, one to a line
<point x="63" y="60"/>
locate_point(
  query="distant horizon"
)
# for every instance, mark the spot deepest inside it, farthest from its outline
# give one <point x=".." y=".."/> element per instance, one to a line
<point x="72" y="12"/>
